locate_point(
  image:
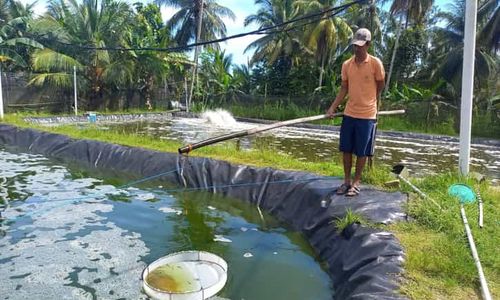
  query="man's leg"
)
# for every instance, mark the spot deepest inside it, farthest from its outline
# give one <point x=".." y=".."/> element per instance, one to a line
<point x="360" y="164"/>
<point x="347" y="168"/>
<point x="364" y="139"/>
<point x="346" y="146"/>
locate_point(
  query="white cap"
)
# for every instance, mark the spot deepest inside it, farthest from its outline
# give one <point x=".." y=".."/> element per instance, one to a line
<point x="361" y="36"/>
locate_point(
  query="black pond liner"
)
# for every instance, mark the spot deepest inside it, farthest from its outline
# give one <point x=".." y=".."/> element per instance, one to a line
<point x="363" y="263"/>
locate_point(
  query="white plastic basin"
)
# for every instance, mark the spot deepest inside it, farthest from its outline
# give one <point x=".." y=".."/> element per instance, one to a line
<point x="186" y="275"/>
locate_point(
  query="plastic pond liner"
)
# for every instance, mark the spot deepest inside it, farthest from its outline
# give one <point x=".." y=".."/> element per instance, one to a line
<point x="361" y="262"/>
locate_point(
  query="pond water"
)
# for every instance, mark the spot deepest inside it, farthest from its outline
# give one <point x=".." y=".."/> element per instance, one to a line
<point x="421" y="156"/>
<point x="69" y="234"/>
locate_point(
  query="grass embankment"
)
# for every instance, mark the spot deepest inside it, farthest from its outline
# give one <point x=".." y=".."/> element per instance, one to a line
<point x="438" y="263"/>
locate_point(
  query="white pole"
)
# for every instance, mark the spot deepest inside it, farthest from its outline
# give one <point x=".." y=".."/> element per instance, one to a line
<point x="1" y="95"/>
<point x="482" y="279"/>
<point x="74" y="84"/>
<point x="467" y="85"/>
<point x="480" y="209"/>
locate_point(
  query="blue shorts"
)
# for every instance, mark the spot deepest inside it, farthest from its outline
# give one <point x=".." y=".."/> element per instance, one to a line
<point x="357" y="136"/>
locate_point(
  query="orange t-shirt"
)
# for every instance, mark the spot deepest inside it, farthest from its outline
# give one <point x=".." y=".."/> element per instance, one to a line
<point x="362" y="87"/>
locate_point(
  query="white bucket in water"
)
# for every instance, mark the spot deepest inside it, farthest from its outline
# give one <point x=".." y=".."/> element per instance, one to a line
<point x="186" y="275"/>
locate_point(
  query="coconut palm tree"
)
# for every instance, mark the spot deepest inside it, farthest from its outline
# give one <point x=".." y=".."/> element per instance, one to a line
<point x="489" y="22"/>
<point x="407" y="10"/>
<point x="184" y="22"/>
<point x="68" y="29"/>
<point x="412" y="10"/>
<point x="13" y="40"/>
<point x="283" y="43"/>
<point x="324" y="37"/>
<point x="4" y="11"/>
<point x="367" y="16"/>
<point x="449" y="42"/>
<point x="18" y="9"/>
<point x="139" y="70"/>
<point x="447" y="52"/>
<point x="187" y="25"/>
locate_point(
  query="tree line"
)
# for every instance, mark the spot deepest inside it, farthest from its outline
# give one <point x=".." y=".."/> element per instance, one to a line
<point x="116" y="49"/>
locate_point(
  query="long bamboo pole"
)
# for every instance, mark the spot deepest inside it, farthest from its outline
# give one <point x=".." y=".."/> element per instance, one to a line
<point x="188" y="148"/>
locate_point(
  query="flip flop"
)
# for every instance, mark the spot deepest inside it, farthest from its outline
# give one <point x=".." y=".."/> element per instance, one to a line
<point x="341" y="190"/>
<point x="353" y="191"/>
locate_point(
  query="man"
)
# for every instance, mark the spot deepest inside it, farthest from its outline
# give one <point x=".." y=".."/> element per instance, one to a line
<point x="363" y="81"/>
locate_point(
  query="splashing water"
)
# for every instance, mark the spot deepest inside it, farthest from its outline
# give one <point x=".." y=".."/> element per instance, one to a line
<point x="219" y="117"/>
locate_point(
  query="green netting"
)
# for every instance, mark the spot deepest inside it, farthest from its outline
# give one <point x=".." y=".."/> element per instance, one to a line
<point x="463" y="192"/>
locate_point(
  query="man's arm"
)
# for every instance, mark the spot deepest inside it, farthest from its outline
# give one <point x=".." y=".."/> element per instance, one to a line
<point x="340" y="97"/>
<point x="380" y="88"/>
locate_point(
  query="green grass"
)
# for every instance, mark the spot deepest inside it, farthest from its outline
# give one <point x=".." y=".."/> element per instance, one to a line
<point x="349" y="218"/>
<point x="402" y="123"/>
<point x="438" y="263"/>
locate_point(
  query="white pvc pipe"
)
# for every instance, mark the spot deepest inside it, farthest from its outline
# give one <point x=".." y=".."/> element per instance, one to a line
<point x="484" y="285"/>
<point x="481" y="214"/>
<point x="467" y="85"/>
<point x="1" y="95"/>
<point x="419" y="191"/>
<point x="480" y="201"/>
<point x="74" y="85"/>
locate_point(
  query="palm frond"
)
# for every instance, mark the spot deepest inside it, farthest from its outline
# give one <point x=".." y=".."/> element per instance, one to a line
<point x="24" y="41"/>
<point x="7" y="54"/>
<point x="60" y="80"/>
<point x="46" y="60"/>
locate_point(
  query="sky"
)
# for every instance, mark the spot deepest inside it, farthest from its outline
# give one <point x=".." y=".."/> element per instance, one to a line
<point x="241" y="8"/>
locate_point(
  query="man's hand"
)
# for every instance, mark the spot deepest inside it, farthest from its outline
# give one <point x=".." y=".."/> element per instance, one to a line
<point x="330" y="112"/>
<point x="340" y="97"/>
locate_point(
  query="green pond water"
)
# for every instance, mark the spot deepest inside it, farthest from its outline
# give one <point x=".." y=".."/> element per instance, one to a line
<point x="74" y="234"/>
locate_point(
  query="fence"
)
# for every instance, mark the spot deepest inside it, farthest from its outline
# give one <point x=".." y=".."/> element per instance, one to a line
<point x="19" y="95"/>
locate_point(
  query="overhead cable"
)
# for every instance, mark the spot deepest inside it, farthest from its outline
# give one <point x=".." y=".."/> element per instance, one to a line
<point x="333" y="11"/>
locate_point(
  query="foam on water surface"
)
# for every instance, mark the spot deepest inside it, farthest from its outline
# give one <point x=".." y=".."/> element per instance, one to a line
<point x="97" y="264"/>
